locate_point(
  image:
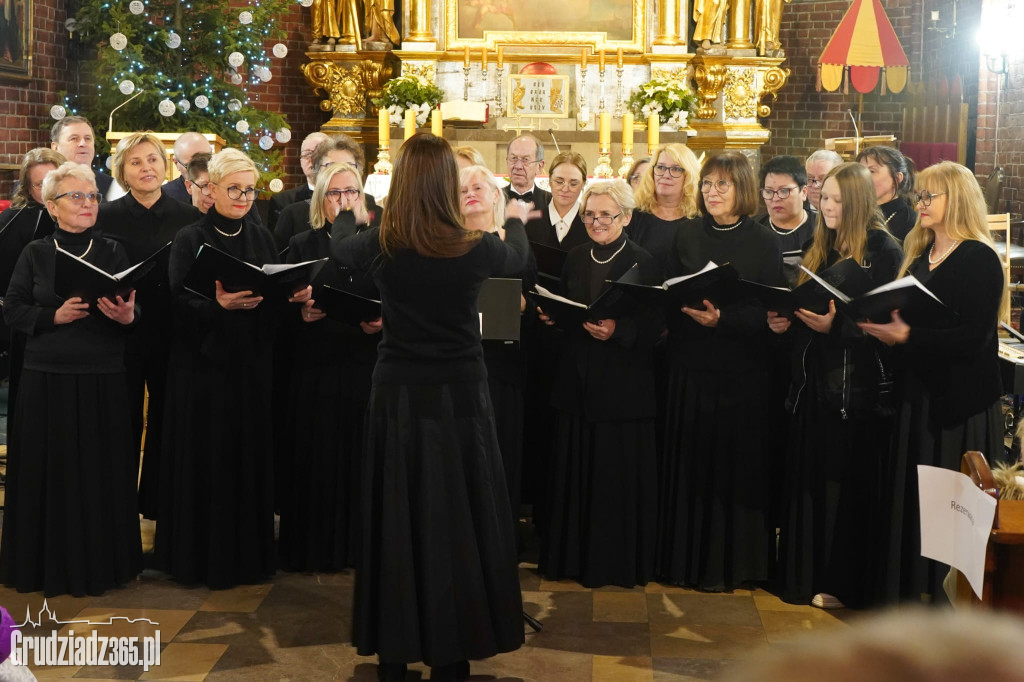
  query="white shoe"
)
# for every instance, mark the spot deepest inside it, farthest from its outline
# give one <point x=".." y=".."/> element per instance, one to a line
<point x="827" y="601"/>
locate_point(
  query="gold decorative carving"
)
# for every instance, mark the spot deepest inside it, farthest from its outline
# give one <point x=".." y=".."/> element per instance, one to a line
<point x="740" y="94"/>
<point x="349" y="86"/>
<point x="426" y="70"/>
<point x="680" y="73"/>
<point x="773" y="80"/>
<point x="709" y="17"/>
<point x="710" y="78"/>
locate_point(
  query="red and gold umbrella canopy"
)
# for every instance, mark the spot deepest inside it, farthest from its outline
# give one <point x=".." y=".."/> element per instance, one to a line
<point x="863" y="46"/>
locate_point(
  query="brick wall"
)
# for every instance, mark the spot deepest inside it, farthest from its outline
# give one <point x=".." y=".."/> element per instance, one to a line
<point x="25" y="106"/>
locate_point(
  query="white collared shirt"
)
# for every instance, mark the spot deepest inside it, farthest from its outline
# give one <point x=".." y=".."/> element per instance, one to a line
<point x="561" y="224"/>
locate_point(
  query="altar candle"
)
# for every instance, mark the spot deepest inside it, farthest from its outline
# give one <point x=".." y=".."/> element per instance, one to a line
<point x="501" y="56"/>
<point x="436" y="123"/>
<point x="583" y="63"/>
<point x="384" y="127"/>
<point x="605" y="132"/>
<point x="465" y="57"/>
<point x="600" y="60"/>
<point x="627" y="132"/>
<point x="410" y="123"/>
<point x="619" y="58"/>
<point x="483" y="57"/>
<point x="653" y="127"/>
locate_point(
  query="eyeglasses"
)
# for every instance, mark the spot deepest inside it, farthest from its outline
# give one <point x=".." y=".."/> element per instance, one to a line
<point x="815" y="182"/>
<point x="204" y="188"/>
<point x="327" y="164"/>
<point x="235" y="192"/>
<point x="559" y="183"/>
<point x="674" y="171"/>
<point x="307" y="155"/>
<point x="337" y="194"/>
<point x="782" y="192"/>
<point x="722" y="186"/>
<point x="78" y="198"/>
<point x="590" y="219"/>
<point x="925" y="197"/>
<point x="524" y="161"/>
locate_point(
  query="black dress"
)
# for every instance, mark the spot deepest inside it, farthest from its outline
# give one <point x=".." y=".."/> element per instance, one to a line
<point x="601" y="514"/>
<point x="216" y="524"/>
<point x="143" y="231"/>
<point x="714" y="528"/>
<point x="793" y="243"/>
<point x="542" y="231"/>
<point x="283" y="200"/>
<point x="838" y="440"/>
<point x="657" y="237"/>
<point x="899" y="216"/>
<point x="294" y="219"/>
<point x="330" y="369"/>
<point x="70" y="520"/>
<point x="437" y="579"/>
<point x="950" y="404"/>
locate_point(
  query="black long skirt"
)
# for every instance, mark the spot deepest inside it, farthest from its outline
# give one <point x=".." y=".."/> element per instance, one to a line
<point x="71" y="523"/>
<point x="319" y="505"/>
<point x="216" y="524"/>
<point x="714" y="531"/>
<point x="921" y="439"/>
<point x="438" y="579"/>
<point x="830" y="528"/>
<point x="602" y="504"/>
<point x="507" y="399"/>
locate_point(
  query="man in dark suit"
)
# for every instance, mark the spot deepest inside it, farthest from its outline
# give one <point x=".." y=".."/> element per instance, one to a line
<point x="302" y="192"/>
<point x="73" y="137"/>
<point x="525" y="158"/>
<point x="185" y="147"/>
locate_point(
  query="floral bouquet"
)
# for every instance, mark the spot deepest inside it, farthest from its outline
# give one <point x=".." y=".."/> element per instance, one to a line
<point x="667" y="97"/>
<point x="409" y="92"/>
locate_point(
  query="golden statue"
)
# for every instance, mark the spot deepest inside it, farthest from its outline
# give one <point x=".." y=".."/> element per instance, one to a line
<point x="325" y="21"/>
<point x="710" y="17"/>
<point x="518" y="93"/>
<point x="556" y="97"/>
<point x="767" y="23"/>
<point x="348" y="10"/>
<point x="380" y="24"/>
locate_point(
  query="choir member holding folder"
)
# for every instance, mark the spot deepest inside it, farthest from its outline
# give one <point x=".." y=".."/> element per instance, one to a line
<point x="437" y="577"/>
<point x="70" y="524"/>
<point x="952" y="388"/>
<point x="714" y="531"/>
<point x="216" y="524"/>
<point x="145" y="220"/>
<point x="601" y="513"/>
<point x="329" y="369"/>
<point x="841" y="400"/>
<point x="482" y="205"/>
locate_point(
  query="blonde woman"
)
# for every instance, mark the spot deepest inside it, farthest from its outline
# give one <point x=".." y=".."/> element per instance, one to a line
<point x="667" y="196"/>
<point x="839" y="432"/>
<point x="143" y="221"/>
<point x="330" y="365"/>
<point x="467" y="156"/>
<point x="952" y="385"/>
<point x="216" y="501"/>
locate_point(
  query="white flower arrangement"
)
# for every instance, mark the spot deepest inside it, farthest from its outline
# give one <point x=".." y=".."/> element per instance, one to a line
<point x="409" y="92"/>
<point x="669" y="98"/>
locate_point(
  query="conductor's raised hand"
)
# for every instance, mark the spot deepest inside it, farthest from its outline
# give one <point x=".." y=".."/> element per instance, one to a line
<point x="372" y="327"/>
<point x="239" y="300"/>
<point x="778" y="323"/>
<point x="602" y="331"/>
<point x="310" y="313"/>
<point x="120" y="311"/>
<point x="706" y="318"/>
<point x="73" y="309"/>
<point x="819" y="323"/>
<point x="517" y="208"/>
<point x="302" y="295"/>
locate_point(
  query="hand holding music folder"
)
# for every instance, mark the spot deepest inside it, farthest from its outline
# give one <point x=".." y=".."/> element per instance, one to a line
<point x="344" y="306"/>
<point x="568" y="314"/>
<point x="715" y="283"/>
<point x="550" y="261"/>
<point x="840" y="283"/>
<point x="917" y="305"/>
<point x="73" y="276"/>
<point x="212" y="265"/>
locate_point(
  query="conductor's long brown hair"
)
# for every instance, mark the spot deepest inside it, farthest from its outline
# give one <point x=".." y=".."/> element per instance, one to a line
<point x="422" y="210"/>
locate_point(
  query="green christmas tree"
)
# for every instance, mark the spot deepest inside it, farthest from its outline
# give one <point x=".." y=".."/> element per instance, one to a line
<point x="193" y="64"/>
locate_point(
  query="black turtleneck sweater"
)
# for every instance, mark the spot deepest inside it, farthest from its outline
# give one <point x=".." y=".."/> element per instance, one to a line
<point x="91" y="345"/>
<point x="899" y="217"/>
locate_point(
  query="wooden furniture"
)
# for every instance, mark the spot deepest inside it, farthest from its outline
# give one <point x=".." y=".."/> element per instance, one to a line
<point x="849" y="147"/>
<point x="1004" y="560"/>
<point x="935" y="122"/>
<point x="1008" y="251"/>
<point x="168" y="140"/>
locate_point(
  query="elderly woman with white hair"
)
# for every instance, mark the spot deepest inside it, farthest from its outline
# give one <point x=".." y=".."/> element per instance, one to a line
<point x="70" y="519"/>
<point x="216" y="522"/>
<point x="602" y="493"/>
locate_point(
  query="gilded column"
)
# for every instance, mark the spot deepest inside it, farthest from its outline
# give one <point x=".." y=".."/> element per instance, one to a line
<point x="419" y="22"/>
<point x="668" y="23"/>
<point x="739" y="25"/>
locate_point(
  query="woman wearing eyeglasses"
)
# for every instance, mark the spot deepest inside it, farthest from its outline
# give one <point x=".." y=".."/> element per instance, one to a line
<point x="143" y="221"/>
<point x="560" y="225"/>
<point x="216" y="523"/>
<point x="330" y="367"/>
<point x="893" y="177"/>
<point x="602" y="510"/>
<point x="637" y="171"/>
<point x="667" y="196"/>
<point x="842" y="414"/>
<point x="715" y="532"/>
<point x="951" y="395"/>
<point x="784" y="191"/>
<point x="71" y="523"/>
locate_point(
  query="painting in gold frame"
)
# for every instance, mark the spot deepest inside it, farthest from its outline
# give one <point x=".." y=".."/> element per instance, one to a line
<point x="600" y="23"/>
<point x="16" y="39"/>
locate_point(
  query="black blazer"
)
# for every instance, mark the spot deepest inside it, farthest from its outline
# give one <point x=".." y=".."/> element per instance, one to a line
<point x="176" y="190"/>
<point x="282" y="200"/>
<point x="294" y="219"/>
<point x="542" y="231"/>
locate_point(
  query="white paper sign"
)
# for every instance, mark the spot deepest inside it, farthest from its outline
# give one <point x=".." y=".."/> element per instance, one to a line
<point x="956" y="521"/>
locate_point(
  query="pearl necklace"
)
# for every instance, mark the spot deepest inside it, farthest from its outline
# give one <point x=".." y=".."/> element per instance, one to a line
<point x="605" y="262"/>
<point x="803" y="220"/>
<point x="87" y="249"/>
<point x="726" y="229"/>
<point x="232" y="234"/>
<point x="941" y="258"/>
<point x="893" y="215"/>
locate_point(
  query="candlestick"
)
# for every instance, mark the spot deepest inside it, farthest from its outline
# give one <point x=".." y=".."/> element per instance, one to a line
<point x="603" y="169"/>
<point x="384" y="126"/>
<point x="383" y="165"/>
<point x="465" y="79"/>
<point x="583" y="62"/>
<point x="653" y="130"/>
<point x="618" y="58"/>
<point x="618" y="92"/>
<point x="410" y="123"/>
<point x="600" y="61"/>
<point x="605" y="130"/>
<point x="436" y="123"/>
<point x="483" y="58"/>
<point x="501" y="57"/>
<point x="499" y="76"/>
<point x="600" y="75"/>
<point x="583" y="110"/>
<point x="465" y="57"/>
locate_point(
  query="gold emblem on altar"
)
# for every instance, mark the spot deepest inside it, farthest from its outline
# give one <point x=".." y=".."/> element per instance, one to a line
<point x="540" y="96"/>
